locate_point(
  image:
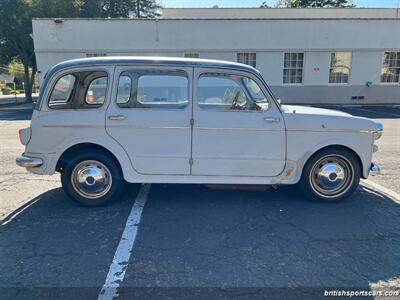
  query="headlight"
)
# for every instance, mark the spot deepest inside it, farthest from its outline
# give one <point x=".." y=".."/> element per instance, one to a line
<point x="378" y="131"/>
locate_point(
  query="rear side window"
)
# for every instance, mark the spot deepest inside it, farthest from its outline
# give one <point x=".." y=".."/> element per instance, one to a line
<point x="61" y="94"/>
<point x="79" y="90"/>
<point x="153" y="89"/>
<point x="96" y="92"/>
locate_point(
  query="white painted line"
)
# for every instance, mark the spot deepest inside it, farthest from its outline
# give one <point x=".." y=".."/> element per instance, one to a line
<point x="378" y="188"/>
<point x="17" y="212"/>
<point x="120" y="261"/>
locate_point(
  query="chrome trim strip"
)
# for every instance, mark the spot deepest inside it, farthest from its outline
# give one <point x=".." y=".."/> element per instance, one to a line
<point x="28" y="161"/>
<point x="333" y="130"/>
<point x="72" y="126"/>
<point x="236" y="128"/>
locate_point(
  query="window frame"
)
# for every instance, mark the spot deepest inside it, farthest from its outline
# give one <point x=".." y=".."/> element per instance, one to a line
<point x="247" y="52"/>
<point x="349" y="67"/>
<point x="380" y="75"/>
<point x="268" y="96"/>
<point x="303" y="68"/>
<point x="150" y="71"/>
<point x="62" y="73"/>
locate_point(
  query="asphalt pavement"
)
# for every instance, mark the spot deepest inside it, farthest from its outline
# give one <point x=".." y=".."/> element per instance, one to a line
<point x="193" y="242"/>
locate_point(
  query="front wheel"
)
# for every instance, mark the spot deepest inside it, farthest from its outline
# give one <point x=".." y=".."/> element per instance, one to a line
<point x="331" y="175"/>
<point x="92" y="179"/>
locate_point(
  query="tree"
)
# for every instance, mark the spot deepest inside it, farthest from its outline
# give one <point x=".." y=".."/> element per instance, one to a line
<point x="264" y="5"/>
<point x="315" y="3"/>
<point x="120" y="8"/>
<point x="15" y="39"/>
<point x="16" y="24"/>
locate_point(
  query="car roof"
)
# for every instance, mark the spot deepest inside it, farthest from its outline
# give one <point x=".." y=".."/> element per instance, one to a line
<point x="151" y="61"/>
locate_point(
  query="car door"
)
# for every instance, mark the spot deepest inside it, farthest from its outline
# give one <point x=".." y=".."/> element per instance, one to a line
<point x="150" y="117"/>
<point x="237" y="130"/>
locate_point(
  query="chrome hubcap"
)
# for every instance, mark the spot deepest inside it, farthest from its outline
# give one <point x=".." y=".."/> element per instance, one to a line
<point x="91" y="179"/>
<point x="331" y="176"/>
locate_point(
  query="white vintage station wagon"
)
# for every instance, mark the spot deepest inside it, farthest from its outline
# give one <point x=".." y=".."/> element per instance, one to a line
<point x="102" y="122"/>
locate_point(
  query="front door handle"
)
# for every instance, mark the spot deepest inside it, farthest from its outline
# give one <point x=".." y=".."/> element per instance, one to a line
<point x="272" y="120"/>
<point x="117" y="117"/>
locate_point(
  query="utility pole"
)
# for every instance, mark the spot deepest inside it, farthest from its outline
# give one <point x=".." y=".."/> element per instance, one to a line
<point x="398" y="7"/>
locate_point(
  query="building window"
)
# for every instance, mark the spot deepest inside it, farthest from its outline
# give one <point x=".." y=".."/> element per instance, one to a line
<point x="247" y="58"/>
<point x="293" y="68"/>
<point x="95" y="54"/>
<point x="390" y="67"/>
<point x="340" y="67"/>
<point x="191" y="55"/>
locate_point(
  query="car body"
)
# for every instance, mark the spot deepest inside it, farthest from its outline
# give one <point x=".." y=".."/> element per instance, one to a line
<point x="175" y="120"/>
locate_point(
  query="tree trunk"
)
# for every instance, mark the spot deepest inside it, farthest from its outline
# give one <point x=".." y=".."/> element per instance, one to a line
<point x="29" y="78"/>
<point x="138" y="9"/>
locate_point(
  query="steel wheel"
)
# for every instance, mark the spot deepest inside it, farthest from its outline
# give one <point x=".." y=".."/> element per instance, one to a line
<point x="331" y="176"/>
<point x="91" y="179"/>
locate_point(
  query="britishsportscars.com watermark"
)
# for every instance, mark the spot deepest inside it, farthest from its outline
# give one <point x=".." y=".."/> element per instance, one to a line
<point x="361" y="293"/>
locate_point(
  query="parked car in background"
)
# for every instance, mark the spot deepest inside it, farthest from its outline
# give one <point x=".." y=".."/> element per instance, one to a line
<point x="102" y="122"/>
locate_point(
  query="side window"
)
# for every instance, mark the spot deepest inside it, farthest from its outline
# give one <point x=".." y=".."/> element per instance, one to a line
<point x="61" y="95"/>
<point x="96" y="92"/>
<point x="124" y="90"/>
<point x="230" y="93"/>
<point x="153" y="89"/>
<point x="79" y="90"/>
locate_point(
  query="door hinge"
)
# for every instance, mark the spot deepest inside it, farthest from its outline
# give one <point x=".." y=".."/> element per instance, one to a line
<point x="190" y="161"/>
<point x="192" y="121"/>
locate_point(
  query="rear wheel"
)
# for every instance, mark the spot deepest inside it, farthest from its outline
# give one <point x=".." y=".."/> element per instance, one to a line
<point x="331" y="175"/>
<point x="92" y="179"/>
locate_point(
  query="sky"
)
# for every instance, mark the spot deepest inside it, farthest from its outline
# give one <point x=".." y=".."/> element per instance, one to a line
<point x="256" y="3"/>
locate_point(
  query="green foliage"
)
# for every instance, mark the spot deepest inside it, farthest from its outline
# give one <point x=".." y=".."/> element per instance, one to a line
<point x="264" y="5"/>
<point x="16" y="23"/>
<point x="119" y="8"/>
<point x="315" y="3"/>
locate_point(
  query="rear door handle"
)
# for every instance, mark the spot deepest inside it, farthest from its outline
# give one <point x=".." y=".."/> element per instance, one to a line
<point x="117" y="117"/>
<point x="272" y="120"/>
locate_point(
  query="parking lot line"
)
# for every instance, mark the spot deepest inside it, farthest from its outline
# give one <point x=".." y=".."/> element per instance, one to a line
<point x="379" y="188"/>
<point x="122" y="255"/>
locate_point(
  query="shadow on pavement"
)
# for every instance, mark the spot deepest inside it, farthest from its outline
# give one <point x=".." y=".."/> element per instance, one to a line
<point x="263" y="244"/>
<point x="53" y="248"/>
<point x="20" y="112"/>
<point x="194" y="243"/>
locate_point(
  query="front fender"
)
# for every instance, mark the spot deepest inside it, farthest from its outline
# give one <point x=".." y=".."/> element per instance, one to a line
<point x="302" y="146"/>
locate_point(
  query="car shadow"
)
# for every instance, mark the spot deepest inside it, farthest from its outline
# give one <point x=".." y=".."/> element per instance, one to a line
<point x="263" y="243"/>
<point x="215" y="243"/>
<point x="53" y="248"/>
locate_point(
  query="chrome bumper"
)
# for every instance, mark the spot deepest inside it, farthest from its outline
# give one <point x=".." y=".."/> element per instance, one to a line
<point x="28" y="161"/>
<point x="375" y="169"/>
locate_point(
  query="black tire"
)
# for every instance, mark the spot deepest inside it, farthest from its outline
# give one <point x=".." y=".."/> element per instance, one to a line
<point x="330" y="175"/>
<point x="104" y="182"/>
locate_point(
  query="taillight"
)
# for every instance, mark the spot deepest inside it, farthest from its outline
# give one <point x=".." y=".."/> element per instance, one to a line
<point x="24" y="135"/>
<point x="19" y="135"/>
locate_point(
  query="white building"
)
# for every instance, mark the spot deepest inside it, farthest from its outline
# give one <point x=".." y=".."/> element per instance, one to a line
<point x="319" y="56"/>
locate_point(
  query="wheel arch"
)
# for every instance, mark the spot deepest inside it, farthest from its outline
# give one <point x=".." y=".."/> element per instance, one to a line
<point x="69" y="152"/>
<point x="337" y="146"/>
